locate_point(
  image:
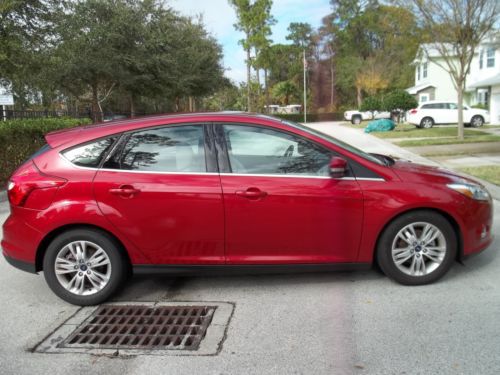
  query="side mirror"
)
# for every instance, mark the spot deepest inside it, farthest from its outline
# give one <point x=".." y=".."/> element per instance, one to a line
<point x="338" y="167"/>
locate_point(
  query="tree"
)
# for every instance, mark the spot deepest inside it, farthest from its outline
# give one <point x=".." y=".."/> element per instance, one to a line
<point x="301" y="34"/>
<point x="283" y="91"/>
<point x="254" y="20"/>
<point x="398" y="102"/>
<point x="371" y="103"/>
<point x="456" y="28"/>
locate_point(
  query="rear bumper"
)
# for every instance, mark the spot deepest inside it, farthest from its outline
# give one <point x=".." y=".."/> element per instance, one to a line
<point x="22" y="265"/>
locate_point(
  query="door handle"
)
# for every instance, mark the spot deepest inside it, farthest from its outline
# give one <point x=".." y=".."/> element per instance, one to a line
<point x="251" y="193"/>
<point x="125" y="191"/>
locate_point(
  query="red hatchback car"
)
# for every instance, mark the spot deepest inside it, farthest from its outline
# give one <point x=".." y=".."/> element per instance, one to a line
<point x="234" y="192"/>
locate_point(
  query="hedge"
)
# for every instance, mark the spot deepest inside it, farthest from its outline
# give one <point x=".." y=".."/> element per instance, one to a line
<point x="311" y="117"/>
<point x="21" y="138"/>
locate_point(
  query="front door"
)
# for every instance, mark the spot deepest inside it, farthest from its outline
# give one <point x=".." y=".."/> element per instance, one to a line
<point x="281" y="204"/>
<point x="156" y="190"/>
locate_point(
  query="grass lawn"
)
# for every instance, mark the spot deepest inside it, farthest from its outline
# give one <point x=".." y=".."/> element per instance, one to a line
<point x="410" y="131"/>
<point x="474" y="138"/>
<point x="489" y="173"/>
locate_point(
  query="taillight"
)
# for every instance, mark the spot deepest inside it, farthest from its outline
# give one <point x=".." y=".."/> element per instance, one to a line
<point x="413" y="111"/>
<point x="28" y="179"/>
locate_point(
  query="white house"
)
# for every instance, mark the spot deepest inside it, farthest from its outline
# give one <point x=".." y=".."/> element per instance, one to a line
<point x="433" y="82"/>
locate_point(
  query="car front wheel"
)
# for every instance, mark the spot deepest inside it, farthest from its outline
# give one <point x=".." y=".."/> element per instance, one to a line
<point x="84" y="266"/>
<point x="477" y="121"/>
<point x="417" y="248"/>
<point x="356" y="120"/>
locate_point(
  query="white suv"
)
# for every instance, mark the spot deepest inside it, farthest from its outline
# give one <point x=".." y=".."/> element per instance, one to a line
<point x="427" y="114"/>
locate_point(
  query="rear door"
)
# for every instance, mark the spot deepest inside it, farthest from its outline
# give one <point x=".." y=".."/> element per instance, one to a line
<point x="161" y="189"/>
<point x="281" y="204"/>
<point x="452" y="113"/>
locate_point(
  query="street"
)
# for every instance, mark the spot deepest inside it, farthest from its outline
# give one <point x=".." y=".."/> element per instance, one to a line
<point x="324" y="323"/>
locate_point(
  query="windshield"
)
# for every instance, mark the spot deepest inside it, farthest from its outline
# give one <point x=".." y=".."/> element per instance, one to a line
<point x="335" y="141"/>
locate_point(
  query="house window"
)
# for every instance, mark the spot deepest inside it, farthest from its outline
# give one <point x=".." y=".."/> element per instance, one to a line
<point x="490" y="57"/>
<point x="418" y="72"/>
<point x="481" y="54"/>
<point x="483" y="97"/>
<point x="424" y="70"/>
<point x="423" y="98"/>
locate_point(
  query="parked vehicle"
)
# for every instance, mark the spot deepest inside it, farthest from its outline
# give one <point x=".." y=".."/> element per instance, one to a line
<point x="230" y="192"/>
<point x="355" y="117"/>
<point x="428" y="114"/>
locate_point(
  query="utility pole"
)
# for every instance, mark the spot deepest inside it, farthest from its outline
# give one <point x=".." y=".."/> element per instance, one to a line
<point x="305" y="87"/>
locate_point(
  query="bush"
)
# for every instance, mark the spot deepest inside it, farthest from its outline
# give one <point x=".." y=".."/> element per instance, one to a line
<point x="21" y="138"/>
<point x="371" y="103"/>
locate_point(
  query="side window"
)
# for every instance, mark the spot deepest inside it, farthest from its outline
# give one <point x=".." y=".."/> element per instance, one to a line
<point x="452" y="106"/>
<point x="169" y="149"/>
<point x="90" y="154"/>
<point x="256" y="150"/>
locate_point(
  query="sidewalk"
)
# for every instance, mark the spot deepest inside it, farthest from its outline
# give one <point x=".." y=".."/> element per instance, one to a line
<point x="369" y="143"/>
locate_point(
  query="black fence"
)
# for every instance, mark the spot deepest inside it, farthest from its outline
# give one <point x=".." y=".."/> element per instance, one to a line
<point x="108" y="116"/>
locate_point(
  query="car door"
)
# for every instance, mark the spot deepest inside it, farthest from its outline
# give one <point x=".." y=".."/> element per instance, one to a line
<point x="281" y="205"/>
<point x="452" y="113"/>
<point x="161" y="189"/>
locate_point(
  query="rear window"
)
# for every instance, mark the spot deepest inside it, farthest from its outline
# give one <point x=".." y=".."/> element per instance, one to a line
<point x="90" y="154"/>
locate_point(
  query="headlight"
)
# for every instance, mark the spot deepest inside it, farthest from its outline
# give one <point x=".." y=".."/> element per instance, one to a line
<point x="472" y="191"/>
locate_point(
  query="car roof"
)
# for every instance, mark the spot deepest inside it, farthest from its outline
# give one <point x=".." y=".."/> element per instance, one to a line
<point x="438" y="102"/>
<point x="84" y="133"/>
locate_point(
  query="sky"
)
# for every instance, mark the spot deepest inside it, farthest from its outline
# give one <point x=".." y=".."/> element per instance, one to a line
<point x="219" y="18"/>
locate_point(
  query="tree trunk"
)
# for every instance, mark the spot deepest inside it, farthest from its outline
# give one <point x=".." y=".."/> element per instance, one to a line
<point x="190" y="104"/>
<point x="332" y="84"/>
<point x="249" y="104"/>
<point x="132" y="106"/>
<point x="460" y="92"/>
<point x="359" y="96"/>
<point x="96" y="108"/>
<point x="267" y="91"/>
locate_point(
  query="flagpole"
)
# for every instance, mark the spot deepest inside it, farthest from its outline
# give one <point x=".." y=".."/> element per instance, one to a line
<point x="305" y="88"/>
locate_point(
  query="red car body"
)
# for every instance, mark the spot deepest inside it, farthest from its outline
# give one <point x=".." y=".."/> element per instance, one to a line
<point x="222" y="218"/>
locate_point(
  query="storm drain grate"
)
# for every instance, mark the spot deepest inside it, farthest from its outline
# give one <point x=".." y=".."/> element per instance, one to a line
<point x="143" y="327"/>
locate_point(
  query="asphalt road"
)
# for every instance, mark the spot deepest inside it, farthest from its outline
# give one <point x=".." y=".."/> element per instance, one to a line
<point x="337" y="323"/>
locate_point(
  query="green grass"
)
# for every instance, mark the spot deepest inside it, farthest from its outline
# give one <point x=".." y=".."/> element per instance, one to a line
<point x="490" y="173"/>
<point x="410" y="131"/>
<point x="449" y="141"/>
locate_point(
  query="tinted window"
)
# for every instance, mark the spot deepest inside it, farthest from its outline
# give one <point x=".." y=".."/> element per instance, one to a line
<point x="256" y="150"/>
<point x="452" y="106"/>
<point x="169" y="149"/>
<point x="434" y="106"/>
<point x="89" y="154"/>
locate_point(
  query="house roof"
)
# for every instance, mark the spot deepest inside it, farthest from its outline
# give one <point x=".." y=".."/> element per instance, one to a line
<point x="416" y="89"/>
<point x="491" y="81"/>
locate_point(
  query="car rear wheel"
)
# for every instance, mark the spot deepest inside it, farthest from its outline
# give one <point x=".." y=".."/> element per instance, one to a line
<point x="417" y="248"/>
<point x="477" y="121"/>
<point x="356" y="120"/>
<point x="84" y="266"/>
<point x="426" y="123"/>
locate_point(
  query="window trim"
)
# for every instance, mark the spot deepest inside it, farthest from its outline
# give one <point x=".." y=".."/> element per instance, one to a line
<point x="490" y="58"/>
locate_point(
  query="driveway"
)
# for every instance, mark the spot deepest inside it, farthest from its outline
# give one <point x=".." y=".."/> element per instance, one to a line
<point x="331" y="323"/>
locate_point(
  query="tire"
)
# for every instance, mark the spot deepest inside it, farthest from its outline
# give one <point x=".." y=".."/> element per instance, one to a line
<point x="100" y="280"/>
<point x="477" y="121"/>
<point x="413" y="253"/>
<point x="356" y="120"/>
<point x="426" y="123"/>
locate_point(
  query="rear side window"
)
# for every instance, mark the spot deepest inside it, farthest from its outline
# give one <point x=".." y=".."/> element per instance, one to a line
<point x="168" y="149"/>
<point x="90" y="154"/>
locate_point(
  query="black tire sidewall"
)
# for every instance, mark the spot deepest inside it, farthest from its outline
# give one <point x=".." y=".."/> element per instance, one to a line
<point x="422" y="123"/>
<point x="384" y="247"/>
<point x="107" y="243"/>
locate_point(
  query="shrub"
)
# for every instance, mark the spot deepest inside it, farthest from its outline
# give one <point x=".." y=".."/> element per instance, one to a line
<point x="21" y="138"/>
<point x="371" y="103"/>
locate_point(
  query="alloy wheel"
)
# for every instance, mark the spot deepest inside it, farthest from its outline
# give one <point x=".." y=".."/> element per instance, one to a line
<point x="418" y="249"/>
<point x="82" y="268"/>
